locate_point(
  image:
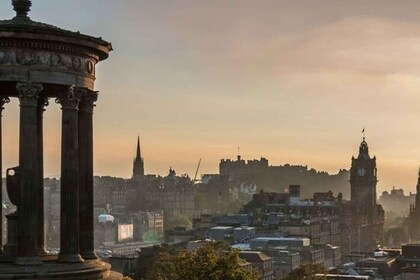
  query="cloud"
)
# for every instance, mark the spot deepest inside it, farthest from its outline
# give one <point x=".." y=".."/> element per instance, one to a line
<point x="290" y="80"/>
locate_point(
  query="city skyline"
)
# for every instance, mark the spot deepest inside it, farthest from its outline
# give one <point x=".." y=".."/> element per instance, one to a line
<point x="286" y="81"/>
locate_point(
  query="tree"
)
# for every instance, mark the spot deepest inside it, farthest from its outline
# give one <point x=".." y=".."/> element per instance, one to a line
<point x="307" y="272"/>
<point x="396" y="236"/>
<point x="153" y="260"/>
<point x="178" y="221"/>
<point x="213" y="261"/>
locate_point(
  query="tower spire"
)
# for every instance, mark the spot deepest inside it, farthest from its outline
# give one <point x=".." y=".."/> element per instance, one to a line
<point x="138" y="154"/>
<point x="138" y="164"/>
<point x="364" y="148"/>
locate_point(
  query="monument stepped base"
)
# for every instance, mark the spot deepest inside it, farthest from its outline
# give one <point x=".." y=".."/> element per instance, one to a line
<point x="114" y="276"/>
<point x="87" y="270"/>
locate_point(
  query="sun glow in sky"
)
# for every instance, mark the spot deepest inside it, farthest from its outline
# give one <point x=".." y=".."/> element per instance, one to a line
<point x="292" y="81"/>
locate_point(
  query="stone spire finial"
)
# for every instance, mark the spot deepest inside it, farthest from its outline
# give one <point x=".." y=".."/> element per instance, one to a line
<point x="22" y="8"/>
<point x="138" y="154"/>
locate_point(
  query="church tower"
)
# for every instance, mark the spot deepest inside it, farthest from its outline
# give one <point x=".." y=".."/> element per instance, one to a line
<point x="414" y="215"/>
<point x="363" y="180"/>
<point x="138" y="164"/>
<point x="417" y="203"/>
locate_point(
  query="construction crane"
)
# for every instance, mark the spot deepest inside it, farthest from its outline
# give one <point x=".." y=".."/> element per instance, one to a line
<point x="196" y="171"/>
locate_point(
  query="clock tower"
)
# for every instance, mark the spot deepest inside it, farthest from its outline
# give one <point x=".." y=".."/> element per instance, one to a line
<point x="363" y="226"/>
<point x="363" y="179"/>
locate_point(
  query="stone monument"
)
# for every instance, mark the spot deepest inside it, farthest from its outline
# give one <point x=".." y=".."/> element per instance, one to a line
<point x="39" y="62"/>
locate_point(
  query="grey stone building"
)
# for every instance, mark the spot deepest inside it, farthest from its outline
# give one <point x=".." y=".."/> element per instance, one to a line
<point x="262" y="263"/>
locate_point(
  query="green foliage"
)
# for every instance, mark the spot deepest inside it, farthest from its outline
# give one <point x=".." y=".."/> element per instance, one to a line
<point x="306" y="272"/>
<point x="178" y="221"/>
<point x="210" y="202"/>
<point x="149" y="262"/>
<point x="394" y="220"/>
<point x="150" y="236"/>
<point x="398" y="236"/>
<point x="211" y="262"/>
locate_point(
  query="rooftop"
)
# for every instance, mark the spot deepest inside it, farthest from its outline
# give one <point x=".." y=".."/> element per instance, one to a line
<point x="282" y="239"/>
<point x="222" y="228"/>
<point x="254" y="256"/>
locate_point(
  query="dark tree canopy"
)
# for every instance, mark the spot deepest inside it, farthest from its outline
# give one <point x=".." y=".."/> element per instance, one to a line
<point x="307" y="272"/>
<point x="211" y="262"/>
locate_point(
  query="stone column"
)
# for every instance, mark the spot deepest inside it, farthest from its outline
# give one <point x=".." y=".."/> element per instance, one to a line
<point x="69" y="223"/>
<point x="42" y="102"/>
<point x="88" y="98"/>
<point x="28" y="207"/>
<point x="3" y="100"/>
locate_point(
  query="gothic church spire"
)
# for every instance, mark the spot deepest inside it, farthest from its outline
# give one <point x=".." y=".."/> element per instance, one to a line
<point x="138" y="164"/>
<point x="138" y="155"/>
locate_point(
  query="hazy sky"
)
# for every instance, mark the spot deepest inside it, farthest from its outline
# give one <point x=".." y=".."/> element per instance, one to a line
<point x="293" y="81"/>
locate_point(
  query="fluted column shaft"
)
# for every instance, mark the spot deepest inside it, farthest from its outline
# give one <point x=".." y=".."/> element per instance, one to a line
<point x="42" y="102"/>
<point x="3" y="100"/>
<point x="28" y="168"/>
<point x="88" y="98"/>
<point x="69" y="223"/>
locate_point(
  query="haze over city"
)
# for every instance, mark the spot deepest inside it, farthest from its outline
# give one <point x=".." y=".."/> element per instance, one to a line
<point x="292" y="81"/>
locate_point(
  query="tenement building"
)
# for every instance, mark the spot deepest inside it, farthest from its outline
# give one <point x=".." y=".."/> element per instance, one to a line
<point x="39" y="62"/>
<point x="288" y="215"/>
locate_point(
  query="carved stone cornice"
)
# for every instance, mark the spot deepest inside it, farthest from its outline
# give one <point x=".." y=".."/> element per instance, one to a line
<point x="87" y="100"/>
<point x="28" y="93"/>
<point x="36" y="35"/>
<point x="54" y="60"/>
<point x="70" y="99"/>
<point x="62" y="48"/>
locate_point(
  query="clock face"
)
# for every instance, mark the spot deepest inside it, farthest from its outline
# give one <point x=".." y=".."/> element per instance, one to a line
<point x="361" y="172"/>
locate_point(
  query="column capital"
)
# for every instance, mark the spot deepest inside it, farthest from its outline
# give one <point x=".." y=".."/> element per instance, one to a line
<point x="4" y="100"/>
<point x="69" y="99"/>
<point x="42" y="103"/>
<point x="87" y="100"/>
<point x="28" y="93"/>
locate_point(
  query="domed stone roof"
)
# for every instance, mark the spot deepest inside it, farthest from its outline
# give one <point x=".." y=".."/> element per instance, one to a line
<point x="22" y="24"/>
<point x="47" y="54"/>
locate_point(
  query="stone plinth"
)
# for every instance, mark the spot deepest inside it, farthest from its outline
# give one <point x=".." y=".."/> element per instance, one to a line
<point x="49" y="270"/>
<point x="114" y="276"/>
